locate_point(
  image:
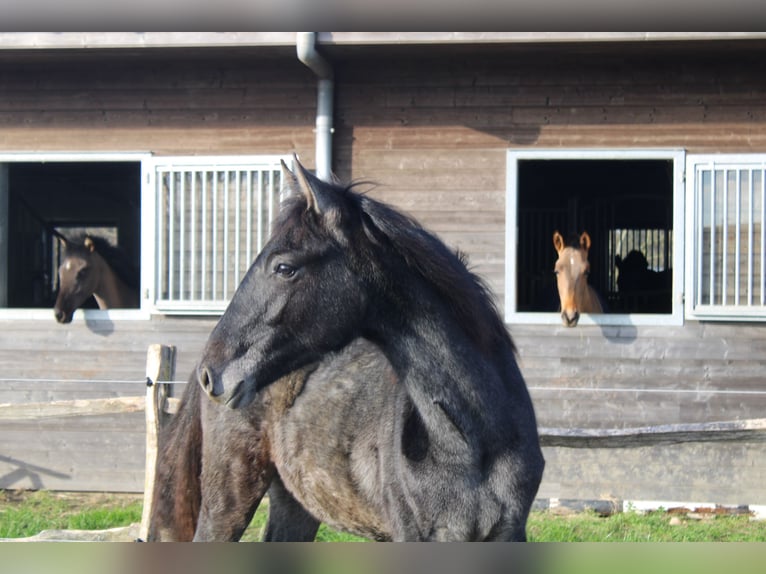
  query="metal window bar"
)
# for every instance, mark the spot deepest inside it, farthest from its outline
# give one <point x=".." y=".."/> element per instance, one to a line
<point x="193" y="232"/>
<point x="181" y="234"/>
<point x="698" y="199"/>
<point x="259" y="177"/>
<point x="737" y="231"/>
<point x="730" y="206"/>
<point x="211" y="222"/>
<point x="711" y="294"/>
<point x="750" y="237"/>
<point x="203" y="234"/>
<point x="763" y="236"/>
<point x="249" y="210"/>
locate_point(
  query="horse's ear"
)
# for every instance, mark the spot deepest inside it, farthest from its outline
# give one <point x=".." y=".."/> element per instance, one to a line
<point x="89" y="245"/>
<point x="558" y="241"/>
<point x="320" y="198"/>
<point x="290" y="185"/>
<point x="585" y="241"/>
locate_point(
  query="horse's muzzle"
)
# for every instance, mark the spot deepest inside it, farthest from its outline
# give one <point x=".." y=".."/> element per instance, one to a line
<point x="570" y="319"/>
<point x="62" y="316"/>
<point x="238" y="395"/>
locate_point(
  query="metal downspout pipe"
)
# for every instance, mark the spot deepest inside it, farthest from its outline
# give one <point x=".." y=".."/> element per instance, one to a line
<point x="308" y="55"/>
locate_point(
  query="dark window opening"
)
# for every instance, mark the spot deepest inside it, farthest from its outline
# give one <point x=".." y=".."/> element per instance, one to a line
<point x="65" y="197"/>
<point x="626" y="206"/>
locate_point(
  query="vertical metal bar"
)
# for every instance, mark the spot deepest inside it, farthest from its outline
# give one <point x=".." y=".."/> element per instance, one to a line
<point x="271" y="199"/>
<point x="159" y="270"/>
<point x="237" y="211"/>
<point x="259" y="226"/>
<point x="763" y="236"/>
<point x="226" y="235"/>
<point x="203" y="238"/>
<point x="725" y="237"/>
<point x="214" y="237"/>
<point x="182" y="237"/>
<point x="193" y="236"/>
<point x="171" y="232"/>
<point x="750" y="234"/>
<point x="699" y="199"/>
<point x="737" y="239"/>
<point x="249" y="209"/>
<point x="712" y="237"/>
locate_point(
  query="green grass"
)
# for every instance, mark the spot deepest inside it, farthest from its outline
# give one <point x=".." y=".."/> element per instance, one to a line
<point x="639" y="527"/>
<point x="28" y="513"/>
<point x="590" y="527"/>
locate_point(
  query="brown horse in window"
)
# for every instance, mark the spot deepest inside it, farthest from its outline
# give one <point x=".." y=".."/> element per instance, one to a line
<point x="572" y="269"/>
<point x="91" y="266"/>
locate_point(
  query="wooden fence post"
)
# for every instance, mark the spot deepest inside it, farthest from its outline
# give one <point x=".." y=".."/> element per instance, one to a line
<point x="160" y="366"/>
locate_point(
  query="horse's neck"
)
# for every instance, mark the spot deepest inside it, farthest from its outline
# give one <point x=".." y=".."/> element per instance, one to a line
<point x="447" y="376"/>
<point x="111" y="292"/>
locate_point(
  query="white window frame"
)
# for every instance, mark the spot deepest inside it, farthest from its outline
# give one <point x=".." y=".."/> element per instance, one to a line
<point x="695" y="307"/>
<point x="513" y="157"/>
<point x="150" y="241"/>
<point x="149" y="226"/>
<point x="81" y="315"/>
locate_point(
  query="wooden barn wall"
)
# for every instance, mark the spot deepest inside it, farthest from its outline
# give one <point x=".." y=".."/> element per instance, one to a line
<point x="435" y="131"/>
<point x="432" y="129"/>
<point x="167" y="103"/>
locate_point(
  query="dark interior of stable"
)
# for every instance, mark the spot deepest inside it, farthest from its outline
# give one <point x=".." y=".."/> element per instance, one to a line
<point x="624" y="205"/>
<point x="46" y="198"/>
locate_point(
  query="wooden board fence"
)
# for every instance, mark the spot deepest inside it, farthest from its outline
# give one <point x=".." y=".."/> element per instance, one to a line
<point x="158" y="406"/>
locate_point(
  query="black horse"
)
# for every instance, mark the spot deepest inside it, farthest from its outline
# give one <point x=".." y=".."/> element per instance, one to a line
<point x="441" y="445"/>
<point x="242" y="445"/>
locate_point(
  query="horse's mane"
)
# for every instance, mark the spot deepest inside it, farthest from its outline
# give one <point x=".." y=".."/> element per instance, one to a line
<point x="115" y="257"/>
<point x="465" y="293"/>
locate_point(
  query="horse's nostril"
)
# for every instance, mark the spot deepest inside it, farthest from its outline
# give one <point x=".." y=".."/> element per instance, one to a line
<point x="207" y="381"/>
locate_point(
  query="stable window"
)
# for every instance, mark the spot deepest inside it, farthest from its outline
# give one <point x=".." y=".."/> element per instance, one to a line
<point x="630" y="202"/>
<point x="46" y="196"/>
<point x="726" y="207"/>
<point x="191" y="225"/>
<point x="212" y="216"/>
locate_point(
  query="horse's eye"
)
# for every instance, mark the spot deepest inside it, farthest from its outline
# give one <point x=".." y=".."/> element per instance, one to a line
<point x="284" y="270"/>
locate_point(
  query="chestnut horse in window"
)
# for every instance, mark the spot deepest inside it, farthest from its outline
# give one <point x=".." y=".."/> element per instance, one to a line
<point x="572" y="269"/>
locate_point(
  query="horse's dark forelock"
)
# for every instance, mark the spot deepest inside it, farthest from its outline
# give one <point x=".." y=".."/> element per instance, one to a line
<point x="117" y="259"/>
<point x="385" y="228"/>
